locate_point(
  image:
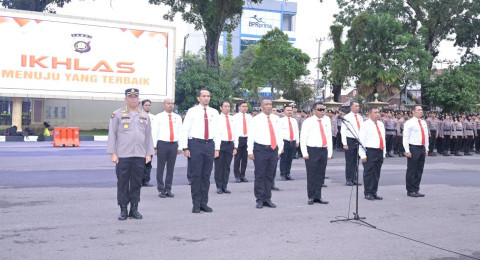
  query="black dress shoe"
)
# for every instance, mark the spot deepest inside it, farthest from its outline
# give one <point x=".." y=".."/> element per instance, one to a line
<point x="310" y="201"/>
<point x="275" y="188"/>
<point x="259" y="205"/>
<point x="420" y="194"/>
<point x="134" y="211"/>
<point x="324" y="185"/>
<point x="321" y="201"/>
<point x="289" y="177"/>
<point x="238" y="180"/>
<point x="446" y="154"/>
<point x="196" y="209"/>
<point x="226" y="191"/>
<point x="123" y="212"/>
<point x="412" y="194"/>
<point x="162" y="194"/>
<point x="206" y="208"/>
<point x="219" y="191"/>
<point x="369" y="197"/>
<point x="243" y="179"/>
<point x="147" y="184"/>
<point x="284" y="178"/>
<point x="169" y="194"/>
<point x="269" y="204"/>
<point x="377" y="197"/>
<point x="349" y="183"/>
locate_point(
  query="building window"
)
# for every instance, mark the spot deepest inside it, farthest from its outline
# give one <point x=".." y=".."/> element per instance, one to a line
<point x="48" y="112"/>
<point x="246" y="43"/>
<point x="288" y="23"/>
<point x="63" y="112"/>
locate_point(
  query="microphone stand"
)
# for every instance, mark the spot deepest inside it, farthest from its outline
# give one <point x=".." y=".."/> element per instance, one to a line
<point x="356" y="216"/>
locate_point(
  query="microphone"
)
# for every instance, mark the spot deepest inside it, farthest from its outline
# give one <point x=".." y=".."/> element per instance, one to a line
<point x="341" y="117"/>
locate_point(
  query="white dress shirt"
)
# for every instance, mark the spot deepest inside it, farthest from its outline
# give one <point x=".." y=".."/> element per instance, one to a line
<point x="194" y="125"/>
<point x="370" y="139"/>
<point x="260" y="132"/>
<point x="222" y="132"/>
<point x="352" y="124"/>
<point x="161" y="127"/>
<point x="412" y="133"/>
<point x="285" y="129"/>
<point x="238" y="126"/>
<point x="312" y="136"/>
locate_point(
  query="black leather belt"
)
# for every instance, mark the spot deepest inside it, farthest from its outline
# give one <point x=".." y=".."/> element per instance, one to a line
<point x="202" y="140"/>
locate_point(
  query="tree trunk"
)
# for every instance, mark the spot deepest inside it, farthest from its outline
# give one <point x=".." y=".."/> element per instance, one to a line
<point x="211" y="49"/>
<point x="336" y="90"/>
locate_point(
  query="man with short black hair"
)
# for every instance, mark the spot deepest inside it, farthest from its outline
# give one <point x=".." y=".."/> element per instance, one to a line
<point x="199" y="126"/>
<point x="415" y="142"/>
<point x="130" y="147"/>
<point x="350" y="131"/>
<point x="241" y="127"/>
<point x="289" y="132"/>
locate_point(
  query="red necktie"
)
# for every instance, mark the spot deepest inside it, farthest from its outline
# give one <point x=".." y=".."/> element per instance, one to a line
<point x="244" y="125"/>
<point x="379" y="136"/>
<point x="206" y="123"/>
<point x="228" y="129"/>
<point x="171" y="127"/>
<point x="324" y="139"/>
<point x="291" y="129"/>
<point x="273" y="141"/>
<point x="358" y="123"/>
<point x="423" y="133"/>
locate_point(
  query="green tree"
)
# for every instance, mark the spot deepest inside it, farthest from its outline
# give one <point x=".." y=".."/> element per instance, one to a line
<point x="214" y="16"/>
<point x="34" y="5"/>
<point x="300" y="92"/>
<point x="433" y="20"/>
<point x="383" y="56"/>
<point x="277" y="63"/>
<point x="191" y="76"/>
<point x="240" y="65"/>
<point x="335" y="62"/>
<point x="457" y="89"/>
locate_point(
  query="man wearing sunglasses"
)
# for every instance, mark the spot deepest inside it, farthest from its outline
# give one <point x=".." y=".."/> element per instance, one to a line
<point x="317" y="147"/>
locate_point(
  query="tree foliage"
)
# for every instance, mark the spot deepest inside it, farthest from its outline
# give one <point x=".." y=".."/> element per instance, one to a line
<point x="277" y="63"/>
<point x="240" y="65"/>
<point x="34" y="5"/>
<point x="192" y="75"/>
<point x="457" y="89"/>
<point x="383" y="55"/>
<point x="214" y="16"/>
<point x="433" y="20"/>
<point x="335" y="62"/>
<point x="300" y="92"/>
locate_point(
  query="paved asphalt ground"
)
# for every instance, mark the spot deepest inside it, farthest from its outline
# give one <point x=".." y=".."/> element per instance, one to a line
<point x="60" y="203"/>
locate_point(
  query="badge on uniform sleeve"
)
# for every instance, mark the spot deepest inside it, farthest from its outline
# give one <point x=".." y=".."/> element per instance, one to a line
<point x="113" y="115"/>
<point x="125" y="126"/>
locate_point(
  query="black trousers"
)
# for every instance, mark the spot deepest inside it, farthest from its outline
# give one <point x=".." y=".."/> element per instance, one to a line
<point x="432" y="140"/>
<point x="389" y="142"/>
<point x="371" y="170"/>
<point x="265" y="165"/>
<point x="289" y="149"/>
<point x="415" y="168"/>
<point x="468" y="142"/>
<point x="446" y="143"/>
<point x="459" y="143"/>
<point x="222" y="164"/>
<point x="146" y="172"/>
<point x="166" y="155"/>
<point x="201" y="161"/>
<point x="399" y="143"/>
<point x="316" y="166"/>
<point x="129" y="179"/>
<point x="339" y="138"/>
<point x="453" y="142"/>
<point x="477" y="141"/>
<point x="439" y="144"/>
<point x="189" y="169"/>
<point x="241" y="158"/>
<point x="351" y="157"/>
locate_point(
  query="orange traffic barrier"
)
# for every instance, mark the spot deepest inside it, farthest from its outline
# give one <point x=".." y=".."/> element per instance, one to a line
<point x="66" y="136"/>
